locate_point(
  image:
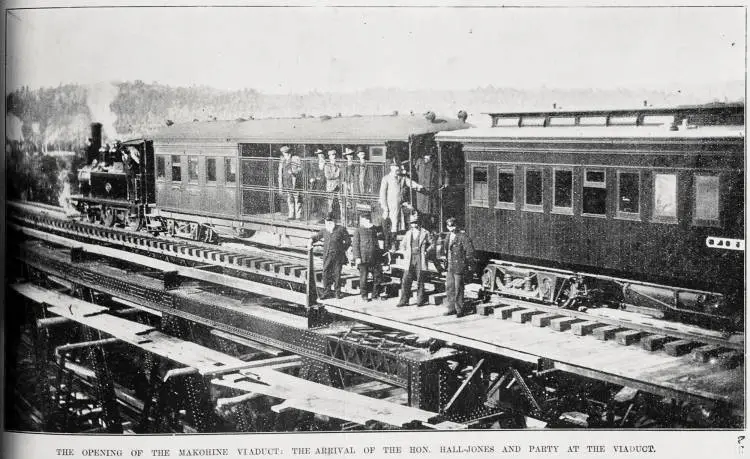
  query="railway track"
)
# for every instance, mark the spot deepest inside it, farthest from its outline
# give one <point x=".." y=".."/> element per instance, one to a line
<point x="289" y="271"/>
<point x="280" y="268"/>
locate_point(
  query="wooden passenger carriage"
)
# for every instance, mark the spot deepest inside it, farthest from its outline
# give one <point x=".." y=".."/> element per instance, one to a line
<point x="617" y="193"/>
<point x="224" y="174"/>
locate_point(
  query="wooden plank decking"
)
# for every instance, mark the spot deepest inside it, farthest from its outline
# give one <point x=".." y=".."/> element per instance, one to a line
<point x="628" y="365"/>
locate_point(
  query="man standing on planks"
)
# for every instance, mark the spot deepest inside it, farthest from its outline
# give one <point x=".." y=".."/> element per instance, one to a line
<point x="335" y="242"/>
<point x="459" y="251"/>
<point x="367" y="256"/>
<point x="416" y="243"/>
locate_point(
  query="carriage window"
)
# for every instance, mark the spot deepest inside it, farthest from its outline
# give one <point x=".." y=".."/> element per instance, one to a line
<point x="176" y="168"/>
<point x="533" y="190"/>
<point x="505" y="184"/>
<point x="377" y="154"/>
<point x="192" y="168"/>
<point x="563" y="191"/>
<point x="628" y="194"/>
<point x="665" y="198"/>
<point x="210" y="169"/>
<point x="706" y="199"/>
<point x="230" y="170"/>
<point x="161" y="167"/>
<point x="479" y="186"/>
<point x="594" y="192"/>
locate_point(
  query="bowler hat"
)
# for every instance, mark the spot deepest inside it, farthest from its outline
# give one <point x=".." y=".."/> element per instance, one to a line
<point x="348" y="151"/>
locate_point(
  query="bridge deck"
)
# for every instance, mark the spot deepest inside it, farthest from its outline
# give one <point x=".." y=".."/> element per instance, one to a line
<point x="628" y="365"/>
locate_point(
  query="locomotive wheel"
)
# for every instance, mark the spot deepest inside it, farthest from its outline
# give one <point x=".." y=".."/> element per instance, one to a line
<point x="108" y="217"/>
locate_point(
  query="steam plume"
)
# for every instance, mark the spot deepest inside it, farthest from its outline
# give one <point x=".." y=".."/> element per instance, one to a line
<point x="100" y="97"/>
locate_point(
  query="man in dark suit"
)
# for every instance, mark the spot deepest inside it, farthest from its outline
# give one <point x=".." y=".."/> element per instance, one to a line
<point x="367" y="256"/>
<point x="459" y="251"/>
<point x="335" y="242"/>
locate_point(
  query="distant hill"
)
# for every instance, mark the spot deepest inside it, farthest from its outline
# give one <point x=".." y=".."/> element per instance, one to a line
<point x="59" y="117"/>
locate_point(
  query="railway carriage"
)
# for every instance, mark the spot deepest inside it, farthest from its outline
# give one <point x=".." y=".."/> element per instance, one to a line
<point x="579" y="201"/>
<point x="220" y="178"/>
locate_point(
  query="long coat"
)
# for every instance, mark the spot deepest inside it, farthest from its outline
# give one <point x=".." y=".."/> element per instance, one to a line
<point x="390" y="199"/>
<point x="290" y="172"/>
<point x="365" y="245"/>
<point x="460" y="254"/>
<point x="425" y="242"/>
<point x="429" y="177"/>
<point x="332" y="173"/>
<point x="335" y="244"/>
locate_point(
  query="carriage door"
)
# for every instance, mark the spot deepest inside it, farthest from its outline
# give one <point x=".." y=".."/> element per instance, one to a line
<point x="451" y="196"/>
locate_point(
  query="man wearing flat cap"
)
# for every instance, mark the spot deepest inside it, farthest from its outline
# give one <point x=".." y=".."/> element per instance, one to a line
<point x="415" y="244"/>
<point x="290" y="181"/>
<point x="335" y="243"/>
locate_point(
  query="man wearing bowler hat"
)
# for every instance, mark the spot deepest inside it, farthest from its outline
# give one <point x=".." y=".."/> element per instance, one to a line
<point x="335" y="242"/>
<point x="367" y="255"/>
<point x="417" y="241"/>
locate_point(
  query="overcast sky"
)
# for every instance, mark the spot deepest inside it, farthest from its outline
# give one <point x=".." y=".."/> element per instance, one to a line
<point x="281" y="50"/>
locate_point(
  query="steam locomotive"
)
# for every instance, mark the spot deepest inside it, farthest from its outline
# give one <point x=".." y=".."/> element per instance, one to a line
<point x="117" y="183"/>
<point x="641" y="209"/>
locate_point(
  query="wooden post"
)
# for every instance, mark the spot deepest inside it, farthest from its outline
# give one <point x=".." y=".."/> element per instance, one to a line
<point x="311" y="286"/>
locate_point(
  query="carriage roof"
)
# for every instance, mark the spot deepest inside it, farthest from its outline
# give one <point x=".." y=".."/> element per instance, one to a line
<point x="351" y="129"/>
<point x="593" y="133"/>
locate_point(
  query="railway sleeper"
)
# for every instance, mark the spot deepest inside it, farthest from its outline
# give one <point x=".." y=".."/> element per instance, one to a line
<point x="628" y="337"/>
<point x="607" y="332"/>
<point x="585" y="328"/>
<point x="655" y="342"/>
<point x="704" y="353"/>
<point x="681" y="347"/>
<point x="563" y="323"/>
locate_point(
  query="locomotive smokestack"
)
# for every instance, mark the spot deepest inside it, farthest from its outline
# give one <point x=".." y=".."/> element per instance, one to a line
<point x="92" y="152"/>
